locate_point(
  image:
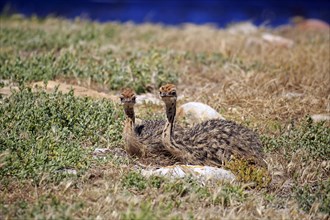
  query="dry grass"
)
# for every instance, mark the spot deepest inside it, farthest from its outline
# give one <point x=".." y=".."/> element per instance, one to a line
<point x="241" y="76"/>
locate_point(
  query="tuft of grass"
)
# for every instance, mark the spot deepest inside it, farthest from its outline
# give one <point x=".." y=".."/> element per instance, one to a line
<point x="307" y="196"/>
<point x="230" y="195"/>
<point x="46" y="205"/>
<point x="134" y="180"/>
<point x="147" y="211"/>
<point x="309" y="136"/>
<point x="249" y="173"/>
<point x="46" y="133"/>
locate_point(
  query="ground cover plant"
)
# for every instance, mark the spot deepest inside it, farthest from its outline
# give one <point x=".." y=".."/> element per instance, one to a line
<point x="271" y="88"/>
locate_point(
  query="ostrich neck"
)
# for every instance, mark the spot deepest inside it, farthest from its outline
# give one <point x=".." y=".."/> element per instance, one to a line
<point x="130" y="119"/>
<point x="132" y="146"/>
<point x="170" y="114"/>
<point x="129" y="111"/>
<point x="168" y="136"/>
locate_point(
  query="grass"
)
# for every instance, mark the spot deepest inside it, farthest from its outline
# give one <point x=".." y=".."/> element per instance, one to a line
<point x="311" y="137"/>
<point x="35" y="53"/>
<point x="43" y="134"/>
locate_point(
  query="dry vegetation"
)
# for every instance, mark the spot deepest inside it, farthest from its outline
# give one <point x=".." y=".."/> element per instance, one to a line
<point x="267" y="87"/>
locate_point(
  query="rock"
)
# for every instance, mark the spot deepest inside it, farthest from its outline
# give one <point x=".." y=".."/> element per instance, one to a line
<point x="254" y="41"/>
<point x="196" y="112"/>
<point x="277" y="40"/>
<point x="68" y="171"/>
<point x="243" y="28"/>
<point x="100" y="152"/>
<point x="148" y="98"/>
<point x="291" y="95"/>
<point x="320" y="117"/>
<point x="199" y="172"/>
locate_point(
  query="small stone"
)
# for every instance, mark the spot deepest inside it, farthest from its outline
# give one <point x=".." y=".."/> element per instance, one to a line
<point x="100" y="153"/>
<point x="68" y="171"/>
<point x="277" y="40"/>
<point x="291" y="95"/>
<point x="243" y="28"/>
<point x="320" y="117"/>
<point x="196" y="112"/>
<point x="148" y="98"/>
<point x="101" y="150"/>
<point x="199" y="172"/>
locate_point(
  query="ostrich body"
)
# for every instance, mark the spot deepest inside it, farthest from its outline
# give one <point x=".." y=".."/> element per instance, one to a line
<point x="211" y="142"/>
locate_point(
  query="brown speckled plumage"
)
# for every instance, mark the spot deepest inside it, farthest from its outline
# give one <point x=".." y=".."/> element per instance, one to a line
<point x="142" y="139"/>
<point x="212" y="142"/>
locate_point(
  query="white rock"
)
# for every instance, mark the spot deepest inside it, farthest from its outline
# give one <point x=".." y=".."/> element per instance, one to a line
<point x="243" y="28"/>
<point x="277" y="40"/>
<point x="68" y="171"/>
<point x="148" y="98"/>
<point x="196" y="112"/>
<point x="99" y="153"/>
<point x="291" y="95"/>
<point x="101" y="150"/>
<point x="200" y="172"/>
<point x="320" y="117"/>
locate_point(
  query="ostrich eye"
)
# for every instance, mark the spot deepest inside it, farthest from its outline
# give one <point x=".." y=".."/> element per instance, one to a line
<point x="121" y="99"/>
<point x="133" y="98"/>
<point x="173" y="93"/>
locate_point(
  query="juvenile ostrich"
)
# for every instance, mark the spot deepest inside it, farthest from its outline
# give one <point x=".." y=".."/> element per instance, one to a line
<point x="143" y="139"/>
<point x="211" y="142"/>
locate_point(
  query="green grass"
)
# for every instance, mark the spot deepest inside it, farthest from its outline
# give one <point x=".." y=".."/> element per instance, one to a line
<point x="56" y="208"/>
<point x="308" y="195"/>
<point x="46" y="53"/>
<point x="44" y="133"/>
<point x="314" y="138"/>
<point x="135" y="71"/>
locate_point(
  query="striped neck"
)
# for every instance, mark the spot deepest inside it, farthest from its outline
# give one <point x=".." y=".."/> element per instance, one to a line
<point x="170" y="115"/>
<point x="129" y="112"/>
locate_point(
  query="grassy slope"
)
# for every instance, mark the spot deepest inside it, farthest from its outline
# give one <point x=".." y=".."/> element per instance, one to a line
<point x="241" y="76"/>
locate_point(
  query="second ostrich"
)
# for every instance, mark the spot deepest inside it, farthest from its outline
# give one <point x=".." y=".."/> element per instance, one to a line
<point x="211" y="142"/>
<point x="144" y="138"/>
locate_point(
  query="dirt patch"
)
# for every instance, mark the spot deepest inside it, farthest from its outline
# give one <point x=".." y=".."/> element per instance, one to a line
<point x="64" y="88"/>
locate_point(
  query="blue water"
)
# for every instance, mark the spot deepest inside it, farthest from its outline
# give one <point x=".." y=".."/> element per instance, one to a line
<point x="174" y="12"/>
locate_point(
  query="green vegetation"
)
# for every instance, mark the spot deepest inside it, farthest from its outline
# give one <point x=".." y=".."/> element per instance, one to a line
<point x="314" y="138"/>
<point x="258" y="176"/>
<point x="46" y="133"/>
<point x="47" y="53"/>
<point x="56" y="208"/>
<point x="309" y="195"/>
<point x="134" y="180"/>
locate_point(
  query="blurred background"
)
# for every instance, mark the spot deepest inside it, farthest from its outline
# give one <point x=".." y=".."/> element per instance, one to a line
<point x="173" y="12"/>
